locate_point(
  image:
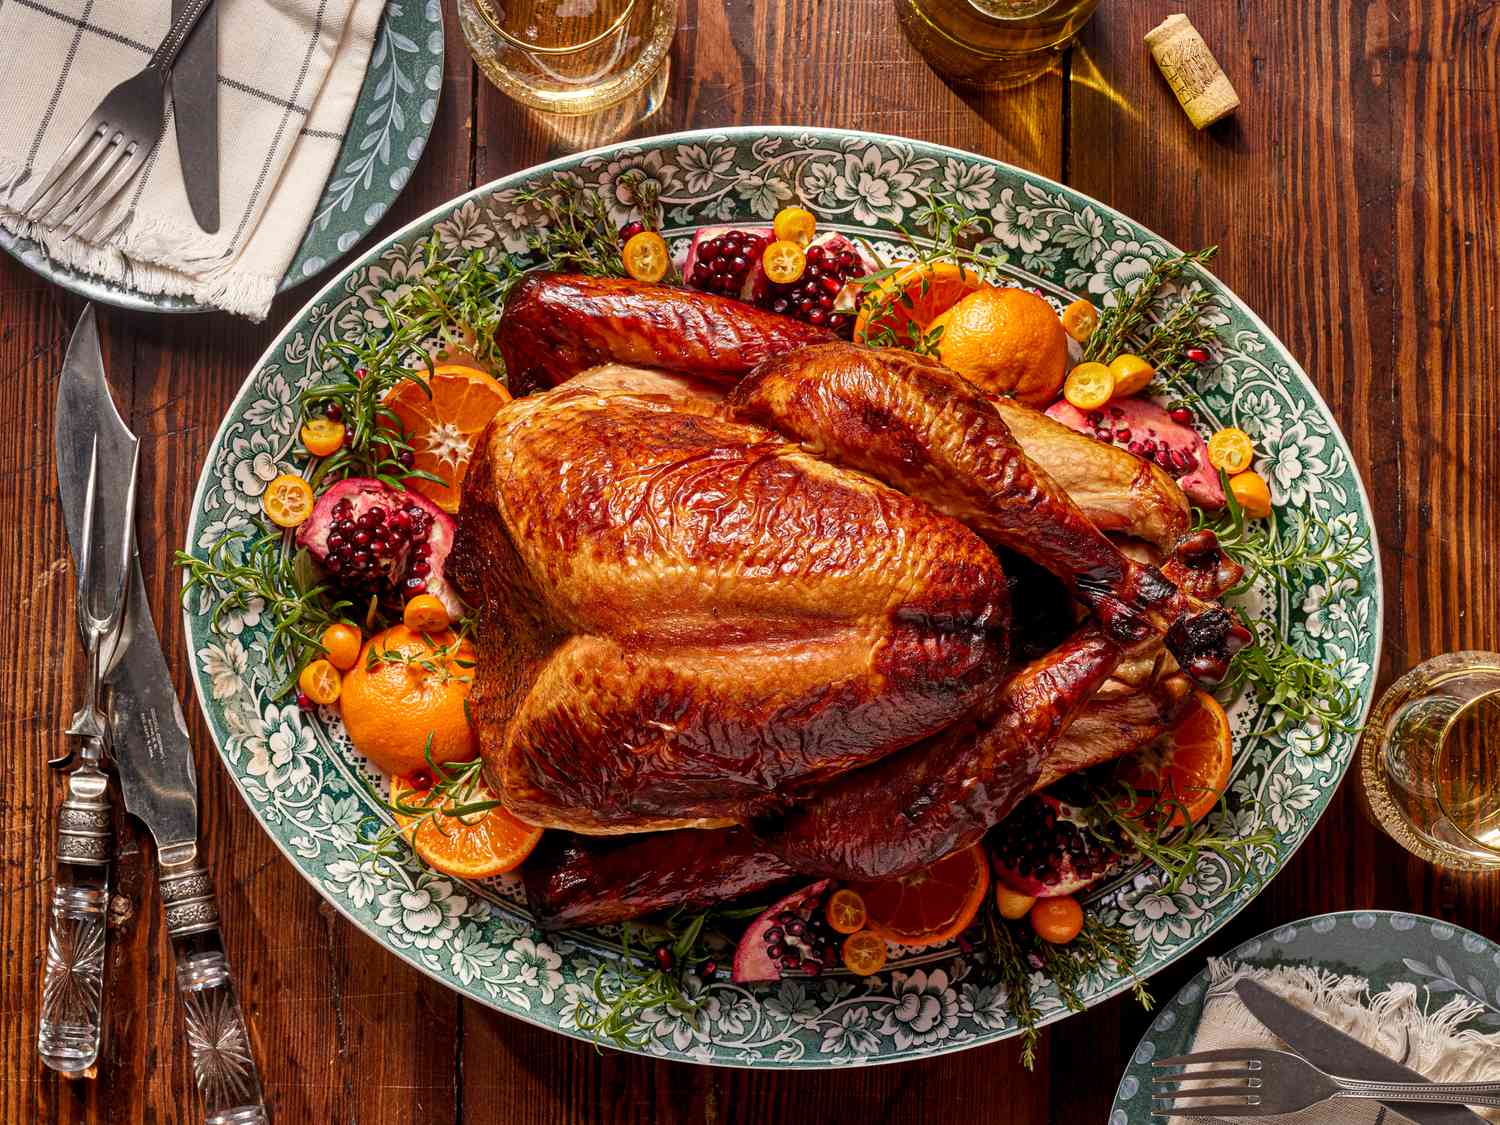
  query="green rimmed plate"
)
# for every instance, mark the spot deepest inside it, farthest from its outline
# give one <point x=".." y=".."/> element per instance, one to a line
<point x="1383" y="946"/>
<point x="306" y="786"/>
<point x="388" y="130"/>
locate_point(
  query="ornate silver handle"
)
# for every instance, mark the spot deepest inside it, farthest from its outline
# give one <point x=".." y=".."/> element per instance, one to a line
<point x="68" y="1035"/>
<point x="1440" y="1093"/>
<point x="218" y="1034"/>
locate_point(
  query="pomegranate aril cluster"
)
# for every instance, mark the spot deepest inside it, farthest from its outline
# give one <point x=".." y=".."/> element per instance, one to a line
<point x="1036" y="842"/>
<point x="811" y="297"/>
<point x="1108" y="426"/>
<point x="367" y="550"/>
<point x="800" y="945"/>
<point x="724" y="262"/>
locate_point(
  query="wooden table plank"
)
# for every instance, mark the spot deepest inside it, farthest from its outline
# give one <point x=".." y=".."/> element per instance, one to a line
<point x="1354" y="197"/>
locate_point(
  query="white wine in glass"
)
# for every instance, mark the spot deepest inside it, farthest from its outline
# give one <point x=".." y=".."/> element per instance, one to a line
<point x="573" y="56"/>
<point x="1430" y="761"/>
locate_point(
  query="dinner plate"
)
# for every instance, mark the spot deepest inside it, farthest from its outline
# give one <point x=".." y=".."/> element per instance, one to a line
<point x="387" y="132"/>
<point x="310" y="792"/>
<point x="1384" y="947"/>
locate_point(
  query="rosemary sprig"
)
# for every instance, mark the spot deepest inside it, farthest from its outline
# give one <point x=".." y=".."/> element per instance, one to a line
<point x="946" y="232"/>
<point x="1295" y="689"/>
<point x="640" y="980"/>
<point x="457" y="305"/>
<point x="580" y="236"/>
<point x="1123" y="821"/>
<point x="266" y="572"/>
<point x="453" y="795"/>
<point x="439" y="661"/>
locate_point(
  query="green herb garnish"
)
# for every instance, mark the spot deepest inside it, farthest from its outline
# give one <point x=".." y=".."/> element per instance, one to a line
<point x="453" y="795"/>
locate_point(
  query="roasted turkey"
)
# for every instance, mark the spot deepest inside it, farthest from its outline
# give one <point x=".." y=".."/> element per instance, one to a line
<point x="735" y="576"/>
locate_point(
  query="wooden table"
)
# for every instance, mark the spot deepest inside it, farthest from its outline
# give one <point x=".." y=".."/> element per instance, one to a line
<point x="1354" y="197"/>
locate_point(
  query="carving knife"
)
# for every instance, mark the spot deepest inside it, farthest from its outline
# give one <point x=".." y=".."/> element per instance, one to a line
<point x="1331" y="1050"/>
<point x="154" y="762"/>
<point x="96" y="456"/>
<point x="195" y="108"/>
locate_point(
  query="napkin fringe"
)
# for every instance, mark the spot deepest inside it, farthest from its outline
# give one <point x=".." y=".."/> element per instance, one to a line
<point x="235" y="291"/>
<point x="1430" y="1032"/>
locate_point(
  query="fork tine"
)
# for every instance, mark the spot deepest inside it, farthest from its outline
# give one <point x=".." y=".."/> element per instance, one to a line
<point x="42" y="200"/>
<point x="1224" y="1054"/>
<point x="84" y="186"/>
<point x="106" y="195"/>
<point x="1195" y="1075"/>
<point x="1251" y="1094"/>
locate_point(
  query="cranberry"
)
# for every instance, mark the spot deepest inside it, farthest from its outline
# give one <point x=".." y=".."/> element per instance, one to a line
<point x="407" y="458"/>
<point x="333" y="412"/>
<point x="421" y="780"/>
<point x="664" y="958"/>
<point x="1182" y="416"/>
<point x="359" y="372"/>
<point x="710" y="968"/>
<point x="1197" y="355"/>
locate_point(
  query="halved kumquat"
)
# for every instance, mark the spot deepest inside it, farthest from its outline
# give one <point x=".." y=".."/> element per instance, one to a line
<point x="646" y="256"/>
<point x="784" y="261"/>
<point x="287" y="500"/>
<point x="845" y="911"/>
<point x="1231" y="449"/>
<point x="1089" y="386"/>
<point x="794" y="224"/>
<point x="864" y="953"/>
<point x="320" y="682"/>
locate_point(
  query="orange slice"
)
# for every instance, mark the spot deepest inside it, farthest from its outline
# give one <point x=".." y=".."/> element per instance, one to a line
<point x="912" y="298"/>
<point x="929" y="906"/>
<point x="474" y="846"/>
<point x="1188" y="765"/>
<point x="444" y="427"/>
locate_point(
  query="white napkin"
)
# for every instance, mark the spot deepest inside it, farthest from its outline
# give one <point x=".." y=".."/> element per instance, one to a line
<point x="289" y="74"/>
<point x="1400" y="1023"/>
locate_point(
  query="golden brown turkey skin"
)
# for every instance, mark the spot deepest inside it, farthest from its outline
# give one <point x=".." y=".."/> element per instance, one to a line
<point x="686" y="619"/>
<point x="929" y="432"/>
<point x="556" y="325"/>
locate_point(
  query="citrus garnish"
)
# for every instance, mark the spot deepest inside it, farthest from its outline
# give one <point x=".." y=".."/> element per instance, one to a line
<point x="466" y="845"/>
<point x="1089" y="386"/>
<point x="1187" y="769"/>
<point x="288" y="500"/>
<point x="784" y="261"/>
<point x="443" y="422"/>
<point x="929" y="906"/>
<point x="910" y="299"/>
<point x="646" y="256"/>
<point x="1231" y="449"/>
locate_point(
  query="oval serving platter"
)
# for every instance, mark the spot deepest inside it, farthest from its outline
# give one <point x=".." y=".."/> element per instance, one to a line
<point x="388" y="130"/>
<point x="310" y="791"/>
<point x="1384" y="947"/>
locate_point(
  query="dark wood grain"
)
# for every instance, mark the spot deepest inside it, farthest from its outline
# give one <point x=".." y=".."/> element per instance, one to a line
<point x="1354" y="198"/>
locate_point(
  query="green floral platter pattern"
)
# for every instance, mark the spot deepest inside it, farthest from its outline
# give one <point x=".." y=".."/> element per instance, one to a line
<point x="311" y="792"/>
<point x="1383" y="947"/>
<point x="388" y="130"/>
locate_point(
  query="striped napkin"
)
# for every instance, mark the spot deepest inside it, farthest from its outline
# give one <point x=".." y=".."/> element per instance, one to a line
<point x="1430" y="1038"/>
<point x="289" y="74"/>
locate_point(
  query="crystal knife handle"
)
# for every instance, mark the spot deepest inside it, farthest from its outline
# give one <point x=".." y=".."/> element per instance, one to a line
<point x="71" y="1026"/>
<point x="217" y="1031"/>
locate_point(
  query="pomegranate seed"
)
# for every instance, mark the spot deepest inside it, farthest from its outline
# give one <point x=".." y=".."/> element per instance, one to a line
<point x="664" y="958"/>
<point x="631" y="229"/>
<point x="1136" y="448"/>
<point x="816" y="316"/>
<point x="710" y="968"/>
<point x="1116" y="412"/>
<point x="1096" y="419"/>
<point x="359" y="372"/>
<point x="415" y="586"/>
<point x="304" y="701"/>
<point x="1197" y="355"/>
<point x="333" y="412"/>
<point x="1182" y="416"/>
<point x="421" y="569"/>
<point x="1122" y="434"/>
<point x="1104" y="435"/>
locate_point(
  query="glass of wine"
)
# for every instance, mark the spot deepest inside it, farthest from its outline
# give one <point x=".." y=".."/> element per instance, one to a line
<point x="1430" y="761"/>
<point x="573" y="56"/>
<point x="992" y="43"/>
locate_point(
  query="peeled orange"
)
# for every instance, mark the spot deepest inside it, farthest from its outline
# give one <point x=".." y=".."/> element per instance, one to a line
<point x="909" y="300"/>
<point x="444" y="426"/>
<point x="1005" y="341"/>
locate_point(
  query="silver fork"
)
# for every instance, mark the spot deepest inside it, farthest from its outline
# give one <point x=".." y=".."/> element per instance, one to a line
<point x="112" y="145"/>
<point x="1258" y="1083"/>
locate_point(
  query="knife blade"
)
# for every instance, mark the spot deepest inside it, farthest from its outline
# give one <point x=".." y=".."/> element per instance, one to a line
<point x="1336" y="1053"/>
<point x="195" y="107"/>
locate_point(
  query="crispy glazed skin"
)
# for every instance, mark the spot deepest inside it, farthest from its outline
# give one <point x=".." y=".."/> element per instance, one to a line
<point x="687" y="619"/>
<point x="556" y="325"/>
<point x="1118" y="492"/>
<point x="929" y="432"/>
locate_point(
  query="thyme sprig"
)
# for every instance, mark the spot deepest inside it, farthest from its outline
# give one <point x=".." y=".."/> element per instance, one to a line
<point x="1014" y="953"/>
<point x="1138" y="322"/>
<point x="456" y="308"/>
<point x="266" y="578"/>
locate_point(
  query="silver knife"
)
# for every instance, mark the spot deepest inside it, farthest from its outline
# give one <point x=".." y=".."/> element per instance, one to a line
<point x="96" y="455"/>
<point x="1336" y="1053"/>
<point x="154" y="762"/>
<point x="195" y="108"/>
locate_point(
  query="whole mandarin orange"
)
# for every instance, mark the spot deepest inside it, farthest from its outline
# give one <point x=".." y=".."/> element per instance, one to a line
<point x="404" y="688"/>
<point x="1005" y="341"/>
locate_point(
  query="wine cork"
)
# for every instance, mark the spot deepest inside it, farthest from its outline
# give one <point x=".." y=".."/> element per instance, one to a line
<point x="1189" y="68"/>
